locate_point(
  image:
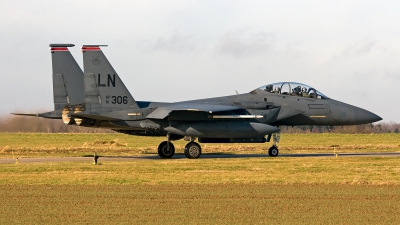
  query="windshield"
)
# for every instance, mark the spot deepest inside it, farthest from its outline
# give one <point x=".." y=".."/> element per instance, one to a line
<point x="293" y="89"/>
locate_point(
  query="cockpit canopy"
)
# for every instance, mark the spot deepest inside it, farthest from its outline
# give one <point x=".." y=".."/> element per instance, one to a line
<point x="293" y="89"/>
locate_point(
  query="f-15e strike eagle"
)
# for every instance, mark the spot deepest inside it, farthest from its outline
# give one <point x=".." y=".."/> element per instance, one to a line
<point x="98" y="98"/>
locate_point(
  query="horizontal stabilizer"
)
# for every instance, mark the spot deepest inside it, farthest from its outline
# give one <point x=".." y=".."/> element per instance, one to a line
<point x="25" y="114"/>
<point x="49" y="115"/>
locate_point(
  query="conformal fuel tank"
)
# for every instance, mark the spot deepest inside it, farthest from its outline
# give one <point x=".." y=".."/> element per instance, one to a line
<point x="222" y="129"/>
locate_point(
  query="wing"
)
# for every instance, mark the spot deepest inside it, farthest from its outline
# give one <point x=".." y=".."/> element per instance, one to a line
<point x="162" y="112"/>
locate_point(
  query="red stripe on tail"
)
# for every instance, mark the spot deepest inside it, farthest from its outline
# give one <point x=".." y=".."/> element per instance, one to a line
<point x="58" y="49"/>
<point x="87" y="48"/>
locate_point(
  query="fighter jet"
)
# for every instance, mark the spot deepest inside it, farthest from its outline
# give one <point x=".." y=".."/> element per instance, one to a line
<point x="96" y="97"/>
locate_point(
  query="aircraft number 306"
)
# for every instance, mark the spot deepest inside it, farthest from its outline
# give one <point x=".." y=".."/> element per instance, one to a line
<point x="119" y="99"/>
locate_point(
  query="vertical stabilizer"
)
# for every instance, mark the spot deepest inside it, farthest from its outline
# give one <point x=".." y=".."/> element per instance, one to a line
<point x="103" y="87"/>
<point x="67" y="77"/>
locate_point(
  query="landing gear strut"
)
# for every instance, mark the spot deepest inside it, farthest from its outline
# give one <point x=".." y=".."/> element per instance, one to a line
<point x="192" y="150"/>
<point x="273" y="151"/>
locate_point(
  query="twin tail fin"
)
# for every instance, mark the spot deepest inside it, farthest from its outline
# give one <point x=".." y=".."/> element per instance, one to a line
<point x="104" y="89"/>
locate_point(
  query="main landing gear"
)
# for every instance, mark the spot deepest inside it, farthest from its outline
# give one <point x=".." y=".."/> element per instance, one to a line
<point x="273" y="151"/>
<point x="192" y="150"/>
<point x="166" y="149"/>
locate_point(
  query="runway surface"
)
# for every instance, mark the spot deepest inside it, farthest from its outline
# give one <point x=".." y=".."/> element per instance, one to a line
<point x="181" y="156"/>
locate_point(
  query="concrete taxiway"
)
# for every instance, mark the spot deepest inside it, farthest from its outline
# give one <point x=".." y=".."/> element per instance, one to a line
<point x="181" y="156"/>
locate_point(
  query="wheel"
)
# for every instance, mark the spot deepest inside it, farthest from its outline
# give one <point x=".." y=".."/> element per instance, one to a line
<point x="166" y="149"/>
<point x="192" y="150"/>
<point x="273" y="151"/>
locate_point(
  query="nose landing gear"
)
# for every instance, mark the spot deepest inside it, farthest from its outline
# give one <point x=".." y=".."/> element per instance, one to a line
<point x="273" y="151"/>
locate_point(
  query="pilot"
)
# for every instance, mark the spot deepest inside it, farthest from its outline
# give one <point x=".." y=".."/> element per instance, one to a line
<point x="304" y="93"/>
<point x="277" y="90"/>
<point x="297" y="90"/>
<point x="268" y="88"/>
<point x="311" y="92"/>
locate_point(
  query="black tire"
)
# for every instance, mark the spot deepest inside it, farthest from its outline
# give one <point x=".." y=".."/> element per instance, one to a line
<point x="273" y="151"/>
<point x="166" y="149"/>
<point x="192" y="150"/>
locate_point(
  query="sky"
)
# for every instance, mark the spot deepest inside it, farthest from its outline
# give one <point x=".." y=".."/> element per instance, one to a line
<point x="170" y="51"/>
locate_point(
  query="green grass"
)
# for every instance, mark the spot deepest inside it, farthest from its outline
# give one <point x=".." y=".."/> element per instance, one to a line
<point x="48" y="145"/>
<point x="281" y="170"/>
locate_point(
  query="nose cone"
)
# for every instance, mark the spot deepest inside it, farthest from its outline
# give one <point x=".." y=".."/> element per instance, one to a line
<point x="362" y="116"/>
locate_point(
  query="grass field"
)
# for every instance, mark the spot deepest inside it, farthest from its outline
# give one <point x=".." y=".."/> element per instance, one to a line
<point x="282" y="190"/>
<point x="280" y="170"/>
<point x="47" y="145"/>
<point x="199" y="204"/>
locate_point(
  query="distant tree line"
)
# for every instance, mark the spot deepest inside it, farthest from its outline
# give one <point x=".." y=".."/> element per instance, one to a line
<point x="356" y="129"/>
<point x="30" y="124"/>
<point x="40" y="125"/>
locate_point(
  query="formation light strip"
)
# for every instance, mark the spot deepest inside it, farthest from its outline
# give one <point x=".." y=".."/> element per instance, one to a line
<point x="134" y="114"/>
<point x="237" y="116"/>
